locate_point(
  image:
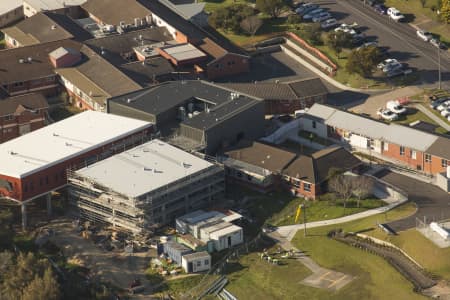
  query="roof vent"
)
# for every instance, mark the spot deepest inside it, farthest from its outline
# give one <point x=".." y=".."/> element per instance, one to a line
<point x="21" y="61"/>
<point x="53" y="27"/>
<point x="30" y="59"/>
<point x="147" y="169"/>
<point x="55" y="134"/>
<point x="128" y="100"/>
<point x="12" y="153"/>
<point x="68" y="144"/>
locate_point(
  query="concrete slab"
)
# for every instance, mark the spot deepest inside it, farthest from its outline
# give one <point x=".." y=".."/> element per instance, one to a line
<point x="327" y="279"/>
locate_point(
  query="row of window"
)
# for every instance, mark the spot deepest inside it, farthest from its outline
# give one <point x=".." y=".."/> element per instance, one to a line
<point x="9" y="130"/>
<point x="44" y="181"/>
<point x="297" y="183"/>
<point x="413" y="155"/>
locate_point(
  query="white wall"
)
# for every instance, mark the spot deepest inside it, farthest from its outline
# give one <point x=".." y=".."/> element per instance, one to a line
<point x="308" y="125"/>
<point x="221" y="242"/>
<point x="161" y="23"/>
<point x="198" y="265"/>
<point x="358" y="141"/>
<point x="28" y="10"/>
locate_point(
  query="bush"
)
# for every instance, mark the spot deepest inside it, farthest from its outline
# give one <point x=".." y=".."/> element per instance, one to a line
<point x="294" y="19"/>
<point x="230" y="17"/>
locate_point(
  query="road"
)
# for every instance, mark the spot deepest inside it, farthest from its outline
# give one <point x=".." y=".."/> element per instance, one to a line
<point x="400" y="38"/>
<point x="432" y="202"/>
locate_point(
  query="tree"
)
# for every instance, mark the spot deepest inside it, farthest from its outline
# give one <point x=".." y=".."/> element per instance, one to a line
<point x="362" y="187"/>
<point x="342" y="185"/>
<point x="229" y="18"/>
<point x="271" y="7"/>
<point x="312" y="33"/>
<point x="42" y="288"/>
<point x="445" y="11"/>
<point x="251" y="24"/>
<point x="294" y="19"/>
<point x="363" y="61"/>
<point x="6" y="232"/>
<point x="423" y="2"/>
<point x="339" y="40"/>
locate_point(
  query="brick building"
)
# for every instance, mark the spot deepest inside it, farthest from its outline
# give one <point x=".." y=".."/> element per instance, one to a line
<point x="415" y="149"/>
<point x="22" y="114"/>
<point x="35" y="164"/>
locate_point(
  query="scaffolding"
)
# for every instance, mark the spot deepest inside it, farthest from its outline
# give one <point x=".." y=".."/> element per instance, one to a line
<point x="100" y="204"/>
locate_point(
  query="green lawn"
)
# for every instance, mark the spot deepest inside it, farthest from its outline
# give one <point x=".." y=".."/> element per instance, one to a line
<point x="431" y="257"/>
<point x="322" y="210"/>
<point x="417" y="115"/>
<point x="252" y="278"/>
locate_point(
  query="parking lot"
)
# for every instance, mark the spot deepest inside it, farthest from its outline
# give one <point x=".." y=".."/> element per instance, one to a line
<point x="399" y="38"/>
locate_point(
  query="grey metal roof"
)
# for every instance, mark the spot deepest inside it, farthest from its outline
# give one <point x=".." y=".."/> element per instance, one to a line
<point x="159" y="99"/>
<point x="321" y="111"/>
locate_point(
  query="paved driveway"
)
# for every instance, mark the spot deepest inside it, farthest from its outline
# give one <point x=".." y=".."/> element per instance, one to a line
<point x="432" y="202"/>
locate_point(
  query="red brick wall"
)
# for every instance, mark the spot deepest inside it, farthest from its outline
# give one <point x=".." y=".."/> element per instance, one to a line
<point x="393" y="152"/>
<point x="78" y="101"/>
<point x="27" y="117"/>
<point x="181" y="38"/>
<point x="312" y="194"/>
<point x="230" y="64"/>
<point x="48" y="86"/>
<point x="55" y="176"/>
<point x="435" y="166"/>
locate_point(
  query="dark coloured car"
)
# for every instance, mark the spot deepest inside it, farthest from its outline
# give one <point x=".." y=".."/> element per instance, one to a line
<point x="380" y="8"/>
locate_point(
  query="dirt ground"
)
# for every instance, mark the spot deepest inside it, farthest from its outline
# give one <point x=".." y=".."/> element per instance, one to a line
<point x="116" y="267"/>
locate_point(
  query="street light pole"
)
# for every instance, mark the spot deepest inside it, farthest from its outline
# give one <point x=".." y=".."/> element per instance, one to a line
<point x="439" y="63"/>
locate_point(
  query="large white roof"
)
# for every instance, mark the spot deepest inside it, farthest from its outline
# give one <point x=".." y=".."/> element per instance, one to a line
<point x="52" y="4"/>
<point x="393" y="133"/>
<point x="9" y="5"/>
<point x="62" y="140"/>
<point x="144" y="168"/>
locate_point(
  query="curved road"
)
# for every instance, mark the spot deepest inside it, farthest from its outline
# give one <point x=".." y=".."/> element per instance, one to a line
<point x="432" y="202"/>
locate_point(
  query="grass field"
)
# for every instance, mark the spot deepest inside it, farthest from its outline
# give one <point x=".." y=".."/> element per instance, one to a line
<point x="252" y="278"/>
<point x="417" y="115"/>
<point x="431" y="257"/>
<point x="321" y="210"/>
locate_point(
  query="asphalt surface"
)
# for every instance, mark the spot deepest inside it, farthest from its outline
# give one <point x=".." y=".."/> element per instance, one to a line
<point x="400" y="38"/>
<point x="432" y="202"/>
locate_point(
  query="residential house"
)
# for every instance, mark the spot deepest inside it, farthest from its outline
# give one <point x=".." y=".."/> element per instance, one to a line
<point x="22" y="114"/>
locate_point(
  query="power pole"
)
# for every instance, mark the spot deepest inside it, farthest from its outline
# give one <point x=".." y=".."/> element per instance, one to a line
<point x="439" y="63"/>
<point x="304" y="218"/>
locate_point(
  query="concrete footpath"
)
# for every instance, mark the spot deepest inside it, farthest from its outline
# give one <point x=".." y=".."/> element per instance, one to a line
<point x="433" y="117"/>
<point x="289" y="231"/>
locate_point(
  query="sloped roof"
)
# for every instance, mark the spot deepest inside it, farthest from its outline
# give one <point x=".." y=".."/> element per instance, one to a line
<point x="112" y="12"/>
<point x="315" y="169"/>
<point x="28" y="101"/>
<point x="440" y="148"/>
<point x="308" y="87"/>
<point x="262" y="155"/>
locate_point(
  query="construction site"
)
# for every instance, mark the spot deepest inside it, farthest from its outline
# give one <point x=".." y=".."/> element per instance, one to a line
<point x="145" y="187"/>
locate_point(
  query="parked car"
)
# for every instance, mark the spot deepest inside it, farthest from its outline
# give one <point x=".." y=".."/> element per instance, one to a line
<point x="350" y="28"/>
<point x="387" y="114"/>
<point x="380" y="8"/>
<point x="368" y="44"/>
<point x="306" y="8"/>
<point x="398" y="72"/>
<point x="386" y="62"/>
<point x="311" y="14"/>
<point x="392" y="66"/>
<point x="396" y="107"/>
<point x="330" y="23"/>
<point x="434" y="104"/>
<point x="437" y="44"/>
<point x="322" y="17"/>
<point x="445" y="112"/>
<point x="443" y="105"/>
<point x="395" y="14"/>
<point x="424" y="35"/>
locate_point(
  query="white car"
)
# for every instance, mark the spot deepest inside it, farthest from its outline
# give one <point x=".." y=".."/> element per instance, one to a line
<point x="387" y="114"/>
<point x="445" y="112"/>
<point x="443" y="106"/>
<point x="387" y="62"/>
<point x="396" y="107"/>
<point x="424" y="35"/>
<point x="322" y="17"/>
<point x="330" y="23"/>
<point x="395" y="14"/>
<point x="391" y="67"/>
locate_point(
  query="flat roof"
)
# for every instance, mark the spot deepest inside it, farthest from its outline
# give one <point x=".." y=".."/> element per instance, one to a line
<point x="183" y="52"/>
<point x="199" y="215"/>
<point x="9" y="5"/>
<point x="196" y="255"/>
<point x="226" y="230"/>
<point x="53" y="4"/>
<point x="144" y="168"/>
<point x="63" y="140"/>
<point x="216" y="227"/>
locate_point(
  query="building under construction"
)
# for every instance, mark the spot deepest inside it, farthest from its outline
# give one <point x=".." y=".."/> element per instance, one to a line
<point x="149" y="185"/>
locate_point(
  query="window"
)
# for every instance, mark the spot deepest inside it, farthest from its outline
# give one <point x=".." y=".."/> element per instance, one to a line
<point x="206" y="262"/>
<point x="56" y="177"/>
<point x="41" y="181"/>
<point x="306" y="187"/>
<point x="199" y="263"/>
<point x="385" y="146"/>
<point x="444" y="163"/>
<point x="332" y="129"/>
<point x="8" y="117"/>
<point x="427" y="157"/>
<point x="18" y="83"/>
<point x="25" y="187"/>
<point x="402" y="150"/>
<point x="314" y="125"/>
<point x="296" y="182"/>
<point x="31" y="186"/>
<point x="413" y="154"/>
<point x="46" y="179"/>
